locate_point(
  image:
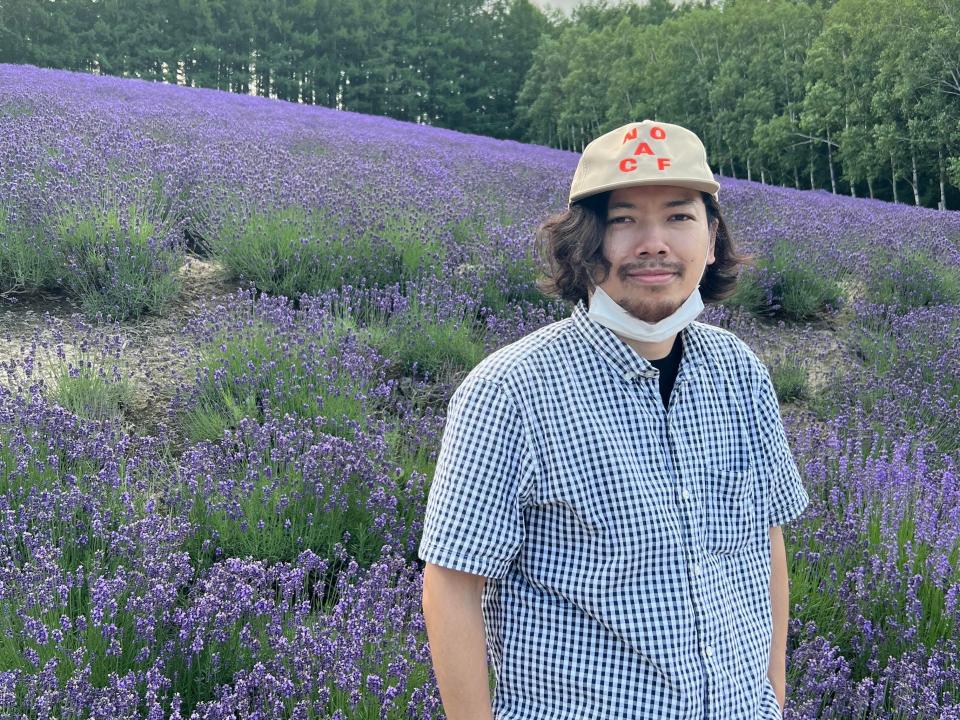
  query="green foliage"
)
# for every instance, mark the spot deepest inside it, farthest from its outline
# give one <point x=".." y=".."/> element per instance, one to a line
<point x="231" y="391"/>
<point x="455" y="64"/>
<point x="913" y="279"/>
<point x="280" y="515"/>
<point x="420" y="344"/>
<point x="835" y="95"/>
<point x="784" y="286"/>
<point x="27" y="264"/>
<point x="91" y="395"/>
<point x="750" y="293"/>
<point x="116" y="262"/>
<point x="790" y="380"/>
<point x="516" y="285"/>
<point x="292" y="251"/>
<point x="423" y="341"/>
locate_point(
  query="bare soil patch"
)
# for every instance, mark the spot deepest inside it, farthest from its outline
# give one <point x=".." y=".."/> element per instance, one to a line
<point x="156" y="356"/>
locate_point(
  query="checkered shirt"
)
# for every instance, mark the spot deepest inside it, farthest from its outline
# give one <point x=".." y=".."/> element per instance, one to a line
<point x="626" y="545"/>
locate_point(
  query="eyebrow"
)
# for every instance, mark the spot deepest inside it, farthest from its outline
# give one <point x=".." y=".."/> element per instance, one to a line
<point x="669" y="204"/>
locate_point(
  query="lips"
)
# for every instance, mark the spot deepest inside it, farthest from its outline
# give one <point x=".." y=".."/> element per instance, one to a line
<point x="652" y="276"/>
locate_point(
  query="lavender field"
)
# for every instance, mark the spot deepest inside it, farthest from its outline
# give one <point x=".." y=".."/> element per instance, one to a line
<point x="211" y="496"/>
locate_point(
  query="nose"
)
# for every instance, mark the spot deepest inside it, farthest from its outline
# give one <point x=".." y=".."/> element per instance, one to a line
<point x="649" y="239"/>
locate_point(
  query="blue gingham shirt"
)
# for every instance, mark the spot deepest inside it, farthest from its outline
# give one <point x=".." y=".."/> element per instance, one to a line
<point x="626" y="545"/>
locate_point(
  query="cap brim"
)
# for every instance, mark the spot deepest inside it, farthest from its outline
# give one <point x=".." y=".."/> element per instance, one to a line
<point x="693" y="183"/>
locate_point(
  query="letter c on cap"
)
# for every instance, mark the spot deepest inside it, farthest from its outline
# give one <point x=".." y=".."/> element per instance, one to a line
<point x="628" y="165"/>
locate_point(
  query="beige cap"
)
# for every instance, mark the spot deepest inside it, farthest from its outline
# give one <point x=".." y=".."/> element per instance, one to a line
<point x="643" y="153"/>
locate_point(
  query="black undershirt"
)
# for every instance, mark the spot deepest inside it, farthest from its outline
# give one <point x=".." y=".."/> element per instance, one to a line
<point x="668" y="367"/>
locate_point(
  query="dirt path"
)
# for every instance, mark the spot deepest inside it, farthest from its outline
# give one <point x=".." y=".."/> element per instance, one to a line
<point x="156" y="355"/>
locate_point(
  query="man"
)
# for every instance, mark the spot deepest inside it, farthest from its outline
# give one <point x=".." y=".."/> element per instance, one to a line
<point x="606" y="506"/>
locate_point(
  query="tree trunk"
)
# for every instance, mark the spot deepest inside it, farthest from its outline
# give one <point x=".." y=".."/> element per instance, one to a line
<point x="733" y="170"/>
<point x="811" y="166"/>
<point x="853" y="189"/>
<point x="833" y="178"/>
<point x="893" y="179"/>
<point x="870" y="187"/>
<point x="796" y="177"/>
<point x="916" y="183"/>
<point x="763" y="177"/>
<point x="749" y="174"/>
<point x="943" y="185"/>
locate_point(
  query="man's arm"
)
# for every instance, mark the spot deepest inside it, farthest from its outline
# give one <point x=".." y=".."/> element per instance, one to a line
<point x="780" y="607"/>
<point x="458" y="643"/>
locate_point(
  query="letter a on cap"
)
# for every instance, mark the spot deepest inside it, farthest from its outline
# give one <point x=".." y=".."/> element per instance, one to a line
<point x="631" y="135"/>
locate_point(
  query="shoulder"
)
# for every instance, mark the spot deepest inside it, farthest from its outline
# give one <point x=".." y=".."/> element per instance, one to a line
<point x="514" y="366"/>
<point x="728" y="353"/>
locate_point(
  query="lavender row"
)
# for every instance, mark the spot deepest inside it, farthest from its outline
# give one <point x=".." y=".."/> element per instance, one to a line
<point x="238" y="576"/>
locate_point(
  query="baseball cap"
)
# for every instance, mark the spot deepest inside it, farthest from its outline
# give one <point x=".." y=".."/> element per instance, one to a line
<point x="643" y="153"/>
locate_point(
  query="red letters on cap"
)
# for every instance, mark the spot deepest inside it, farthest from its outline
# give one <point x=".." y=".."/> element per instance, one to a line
<point x="657" y="133"/>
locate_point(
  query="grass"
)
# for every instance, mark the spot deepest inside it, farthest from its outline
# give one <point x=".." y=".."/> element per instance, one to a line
<point x="279" y="516"/>
<point x="116" y="261"/>
<point x="89" y="394"/>
<point x="790" y="380"/>
<point x="292" y="251"/>
<point x="913" y="279"/>
<point x="27" y="263"/>
<point x="245" y="371"/>
<point x="422" y="341"/>
<point x="783" y="286"/>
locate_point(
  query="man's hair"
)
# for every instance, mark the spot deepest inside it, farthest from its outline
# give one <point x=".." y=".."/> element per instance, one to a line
<point x="570" y="247"/>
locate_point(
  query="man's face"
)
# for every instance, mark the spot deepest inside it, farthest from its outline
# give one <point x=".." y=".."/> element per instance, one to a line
<point x="658" y="244"/>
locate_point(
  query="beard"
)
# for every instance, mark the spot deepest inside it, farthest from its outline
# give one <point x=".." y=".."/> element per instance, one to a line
<point x="654" y="309"/>
<point x="650" y="311"/>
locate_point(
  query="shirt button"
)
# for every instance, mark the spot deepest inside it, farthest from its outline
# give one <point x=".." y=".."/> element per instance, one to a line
<point x="685" y="494"/>
<point x="708" y="650"/>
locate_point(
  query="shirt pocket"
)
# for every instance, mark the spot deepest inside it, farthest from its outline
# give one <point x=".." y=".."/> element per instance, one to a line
<point x="729" y="510"/>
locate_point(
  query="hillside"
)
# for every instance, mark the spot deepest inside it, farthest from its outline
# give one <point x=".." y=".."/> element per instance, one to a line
<point x="241" y="452"/>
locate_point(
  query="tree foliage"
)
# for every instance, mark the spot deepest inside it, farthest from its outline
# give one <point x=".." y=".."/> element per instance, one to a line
<point x="856" y="96"/>
<point x="455" y="63"/>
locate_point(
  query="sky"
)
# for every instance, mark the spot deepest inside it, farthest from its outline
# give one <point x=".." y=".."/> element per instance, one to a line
<point x="565" y="5"/>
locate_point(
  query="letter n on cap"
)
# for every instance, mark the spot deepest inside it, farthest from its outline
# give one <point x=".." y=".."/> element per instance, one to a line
<point x="631" y="135"/>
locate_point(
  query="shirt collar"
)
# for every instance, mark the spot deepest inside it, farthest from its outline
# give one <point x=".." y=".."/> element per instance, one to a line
<point x="624" y="359"/>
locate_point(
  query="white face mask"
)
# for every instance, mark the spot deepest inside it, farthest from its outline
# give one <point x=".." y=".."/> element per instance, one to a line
<point x="608" y="313"/>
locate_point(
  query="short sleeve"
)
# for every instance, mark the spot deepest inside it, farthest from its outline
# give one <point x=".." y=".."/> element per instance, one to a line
<point x="788" y="498"/>
<point x="474" y="515"/>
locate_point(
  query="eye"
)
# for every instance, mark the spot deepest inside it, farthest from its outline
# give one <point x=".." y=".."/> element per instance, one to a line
<point x="616" y="220"/>
<point x="682" y="216"/>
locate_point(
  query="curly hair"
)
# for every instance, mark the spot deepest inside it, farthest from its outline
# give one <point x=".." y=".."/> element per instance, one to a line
<point x="570" y="248"/>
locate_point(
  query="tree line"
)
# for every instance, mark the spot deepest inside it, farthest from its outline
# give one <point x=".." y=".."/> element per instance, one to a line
<point x="855" y="96"/>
